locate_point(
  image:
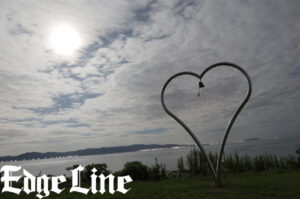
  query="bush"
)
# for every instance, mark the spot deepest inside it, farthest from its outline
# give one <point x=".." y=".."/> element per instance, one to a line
<point x="193" y="162"/>
<point x="136" y="170"/>
<point x="157" y="172"/>
<point x="101" y="169"/>
<point x="197" y="163"/>
<point x="298" y="158"/>
<point x="180" y="166"/>
<point x="139" y="171"/>
<point x="86" y="174"/>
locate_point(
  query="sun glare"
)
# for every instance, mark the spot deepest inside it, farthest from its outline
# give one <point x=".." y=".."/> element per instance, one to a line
<point x="64" y="40"/>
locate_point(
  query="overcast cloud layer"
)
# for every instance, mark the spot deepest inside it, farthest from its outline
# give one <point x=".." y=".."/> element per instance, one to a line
<point x="107" y="93"/>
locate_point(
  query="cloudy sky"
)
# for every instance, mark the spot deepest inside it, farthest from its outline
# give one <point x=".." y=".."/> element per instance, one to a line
<point x="80" y="74"/>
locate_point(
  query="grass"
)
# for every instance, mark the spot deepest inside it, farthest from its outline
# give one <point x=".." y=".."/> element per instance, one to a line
<point x="234" y="163"/>
<point x="266" y="184"/>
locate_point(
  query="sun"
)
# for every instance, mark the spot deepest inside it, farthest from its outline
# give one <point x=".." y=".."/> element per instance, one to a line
<point x="64" y="40"/>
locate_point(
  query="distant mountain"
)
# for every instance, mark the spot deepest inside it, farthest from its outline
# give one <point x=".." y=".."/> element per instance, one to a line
<point x="251" y="139"/>
<point x="91" y="151"/>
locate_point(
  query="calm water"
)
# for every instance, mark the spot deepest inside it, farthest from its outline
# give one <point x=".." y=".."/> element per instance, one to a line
<point x="57" y="166"/>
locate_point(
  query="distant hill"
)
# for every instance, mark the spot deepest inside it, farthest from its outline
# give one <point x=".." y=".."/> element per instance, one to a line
<point x="251" y="139"/>
<point x="91" y="151"/>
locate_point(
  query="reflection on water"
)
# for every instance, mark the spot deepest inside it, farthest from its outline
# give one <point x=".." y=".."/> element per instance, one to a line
<point x="57" y="166"/>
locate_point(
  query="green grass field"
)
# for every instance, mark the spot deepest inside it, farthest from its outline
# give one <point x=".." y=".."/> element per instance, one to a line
<point x="269" y="184"/>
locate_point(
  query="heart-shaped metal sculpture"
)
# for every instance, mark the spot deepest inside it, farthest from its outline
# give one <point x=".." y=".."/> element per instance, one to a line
<point x="216" y="171"/>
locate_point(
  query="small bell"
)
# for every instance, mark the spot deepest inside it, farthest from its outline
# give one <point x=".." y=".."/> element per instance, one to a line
<point x="201" y="85"/>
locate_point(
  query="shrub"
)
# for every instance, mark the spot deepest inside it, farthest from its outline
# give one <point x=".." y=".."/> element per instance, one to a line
<point x="86" y="174"/>
<point x="101" y="169"/>
<point x="197" y="163"/>
<point x="136" y="170"/>
<point x="298" y="158"/>
<point x="139" y="171"/>
<point x="157" y="172"/>
<point x="180" y="166"/>
<point x="72" y="167"/>
<point x="192" y="162"/>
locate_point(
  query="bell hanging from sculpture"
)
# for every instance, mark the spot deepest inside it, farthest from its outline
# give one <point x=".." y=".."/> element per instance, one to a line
<point x="201" y="85"/>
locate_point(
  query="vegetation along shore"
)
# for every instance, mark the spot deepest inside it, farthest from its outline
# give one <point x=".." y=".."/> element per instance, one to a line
<point x="261" y="176"/>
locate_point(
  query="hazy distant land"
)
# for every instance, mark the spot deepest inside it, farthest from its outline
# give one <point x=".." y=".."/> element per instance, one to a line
<point x="91" y="151"/>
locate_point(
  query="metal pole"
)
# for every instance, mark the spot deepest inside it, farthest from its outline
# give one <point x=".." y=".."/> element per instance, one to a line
<point x="183" y="124"/>
<point x="229" y="126"/>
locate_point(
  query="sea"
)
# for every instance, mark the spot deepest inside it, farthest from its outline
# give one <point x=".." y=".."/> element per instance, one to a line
<point x="168" y="157"/>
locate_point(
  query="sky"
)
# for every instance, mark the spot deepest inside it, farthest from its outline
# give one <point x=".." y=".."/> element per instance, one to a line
<point x="82" y="74"/>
